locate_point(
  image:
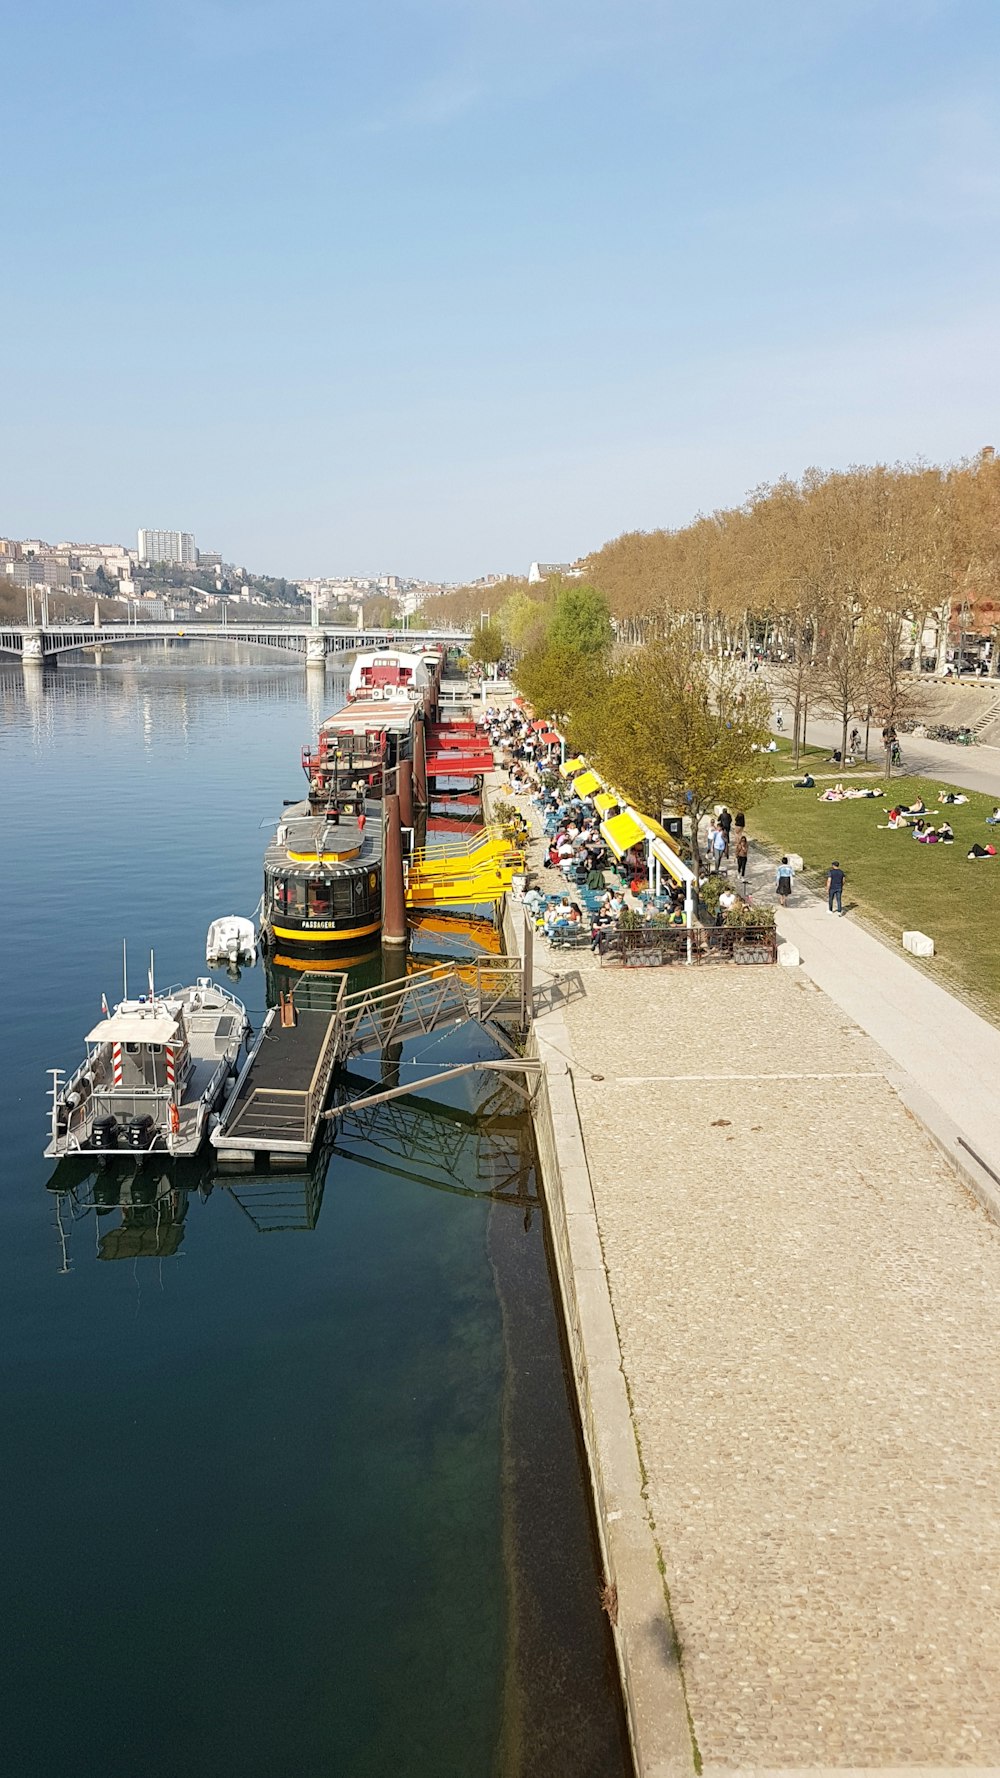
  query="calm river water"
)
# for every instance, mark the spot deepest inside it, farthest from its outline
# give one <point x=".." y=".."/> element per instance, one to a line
<point x="292" y="1483"/>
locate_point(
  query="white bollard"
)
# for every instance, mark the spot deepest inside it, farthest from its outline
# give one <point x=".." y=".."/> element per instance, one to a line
<point x="918" y="944"/>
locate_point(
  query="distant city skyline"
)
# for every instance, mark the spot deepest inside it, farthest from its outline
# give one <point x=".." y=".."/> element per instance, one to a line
<point x="460" y="284"/>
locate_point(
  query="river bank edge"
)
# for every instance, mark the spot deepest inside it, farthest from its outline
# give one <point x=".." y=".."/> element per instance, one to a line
<point x="635" y="1592"/>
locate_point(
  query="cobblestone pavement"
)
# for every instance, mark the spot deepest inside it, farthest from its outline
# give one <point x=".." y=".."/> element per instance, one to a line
<point x="806" y="1299"/>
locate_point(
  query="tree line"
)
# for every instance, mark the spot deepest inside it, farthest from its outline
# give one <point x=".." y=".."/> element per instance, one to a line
<point x="668" y="726"/>
<point x="906" y="544"/>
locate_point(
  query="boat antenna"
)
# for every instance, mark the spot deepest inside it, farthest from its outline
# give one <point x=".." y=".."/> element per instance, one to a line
<point x="152" y="990"/>
<point x="124" y="969"/>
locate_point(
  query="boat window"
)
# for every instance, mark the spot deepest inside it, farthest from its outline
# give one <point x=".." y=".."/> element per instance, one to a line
<point x="286" y="895"/>
<point x="360" y="888"/>
<point x="342" y="895"/>
<point x="320" y="903"/>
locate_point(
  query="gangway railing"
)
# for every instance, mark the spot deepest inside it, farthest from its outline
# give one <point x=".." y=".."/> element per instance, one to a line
<point x="446" y="993"/>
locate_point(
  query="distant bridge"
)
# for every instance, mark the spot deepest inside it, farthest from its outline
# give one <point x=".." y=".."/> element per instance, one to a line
<point x="40" y="643"/>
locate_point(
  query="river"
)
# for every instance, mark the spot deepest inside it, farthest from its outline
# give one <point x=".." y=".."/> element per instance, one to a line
<point x="292" y="1477"/>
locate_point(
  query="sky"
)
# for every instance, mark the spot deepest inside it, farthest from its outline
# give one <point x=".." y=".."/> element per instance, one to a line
<point x="441" y="287"/>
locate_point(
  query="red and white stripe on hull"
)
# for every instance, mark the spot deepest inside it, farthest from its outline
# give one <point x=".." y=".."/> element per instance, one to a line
<point x="116" y="1063"/>
<point x="170" y="1066"/>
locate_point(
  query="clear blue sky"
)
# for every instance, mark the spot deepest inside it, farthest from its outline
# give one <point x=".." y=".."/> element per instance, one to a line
<point x="440" y="286"/>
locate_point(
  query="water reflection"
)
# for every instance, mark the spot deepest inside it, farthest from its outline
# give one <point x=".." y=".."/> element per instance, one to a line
<point x="481" y="1152"/>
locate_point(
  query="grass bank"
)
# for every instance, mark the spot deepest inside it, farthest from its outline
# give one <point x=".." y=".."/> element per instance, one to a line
<point x="896" y="884"/>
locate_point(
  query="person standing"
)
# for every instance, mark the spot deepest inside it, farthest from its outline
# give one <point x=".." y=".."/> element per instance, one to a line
<point x="742" y="854"/>
<point x="710" y="854"/>
<point x="783" y="880"/>
<point x="726" y="823"/>
<point x="835" y="887"/>
<point x="720" y="845"/>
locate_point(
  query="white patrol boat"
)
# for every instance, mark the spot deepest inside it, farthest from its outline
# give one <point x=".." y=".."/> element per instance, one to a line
<point x="154" y="1070"/>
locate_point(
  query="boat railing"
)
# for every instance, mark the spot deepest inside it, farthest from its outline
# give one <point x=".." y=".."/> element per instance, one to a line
<point x="326" y="1062"/>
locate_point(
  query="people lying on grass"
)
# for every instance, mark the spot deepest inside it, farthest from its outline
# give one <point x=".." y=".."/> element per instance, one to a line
<point x="926" y="836"/>
<point x="951" y="796"/>
<point x="806" y="783"/>
<point x="836" y="795"/>
<point x="978" y="851"/>
<point x="856" y="793"/>
<point x="919" y="807"/>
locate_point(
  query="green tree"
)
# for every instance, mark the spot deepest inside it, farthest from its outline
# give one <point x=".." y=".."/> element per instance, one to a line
<point x="671" y="728"/>
<point x="523" y="620"/>
<point x="581" y="619"/>
<point x="486" y="646"/>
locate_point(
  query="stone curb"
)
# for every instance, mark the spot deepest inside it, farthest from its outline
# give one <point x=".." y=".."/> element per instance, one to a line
<point x="949" y="1141"/>
<point x="652" y="1687"/>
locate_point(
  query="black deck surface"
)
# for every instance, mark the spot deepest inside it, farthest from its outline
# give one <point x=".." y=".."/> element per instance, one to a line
<point x="288" y="1055"/>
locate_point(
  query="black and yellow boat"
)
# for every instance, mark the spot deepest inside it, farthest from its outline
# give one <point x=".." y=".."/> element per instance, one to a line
<point x="323" y="882"/>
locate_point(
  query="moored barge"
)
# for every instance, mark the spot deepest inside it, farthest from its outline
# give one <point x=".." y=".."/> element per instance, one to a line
<point x="323" y="880"/>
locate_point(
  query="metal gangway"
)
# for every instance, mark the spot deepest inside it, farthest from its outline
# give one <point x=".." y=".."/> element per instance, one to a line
<point x="280" y="1097"/>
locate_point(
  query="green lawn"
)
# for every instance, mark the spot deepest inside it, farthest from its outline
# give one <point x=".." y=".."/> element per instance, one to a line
<point x="895" y="883"/>
<point x="811" y="756"/>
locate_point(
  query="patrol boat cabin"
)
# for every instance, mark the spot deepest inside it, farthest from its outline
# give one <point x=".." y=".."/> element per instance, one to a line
<point x="155" y="1068"/>
<point x="323" y="880"/>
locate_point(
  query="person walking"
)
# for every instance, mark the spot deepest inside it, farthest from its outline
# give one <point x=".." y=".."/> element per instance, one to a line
<point x="720" y="845"/>
<point x="835" y="887"/>
<point x="742" y="853"/>
<point x="726" y="823"/>
<point x="783" y="880"/>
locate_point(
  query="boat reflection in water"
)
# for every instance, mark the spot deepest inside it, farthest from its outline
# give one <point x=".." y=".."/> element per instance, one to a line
<point x="142" y="1212"/>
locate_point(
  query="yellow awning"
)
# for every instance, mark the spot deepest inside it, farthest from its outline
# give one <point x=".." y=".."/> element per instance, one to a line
<point x="569" y="766"/>
<point x="621" y="832"/>
<point x="660" y="832"/>
<point x="586" y="782"/>
<point x="606" y="801"/>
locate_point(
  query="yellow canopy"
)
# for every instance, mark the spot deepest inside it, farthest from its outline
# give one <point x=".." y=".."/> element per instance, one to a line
<point x="606" y="801"/>
<point x="586" y="782"/>
<point x="661" y="833"/>
<point x="569" y="766"/>
<point x="622" y="831"/>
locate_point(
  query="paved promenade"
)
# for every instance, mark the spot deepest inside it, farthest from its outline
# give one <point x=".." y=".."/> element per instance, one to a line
<point x="806" y="1302"/>
<point x="969" y="768"/>
<point x="951" y="1053"/>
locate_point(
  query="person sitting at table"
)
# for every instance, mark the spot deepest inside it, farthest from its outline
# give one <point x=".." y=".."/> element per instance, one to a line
<point x="728" y="899"/>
